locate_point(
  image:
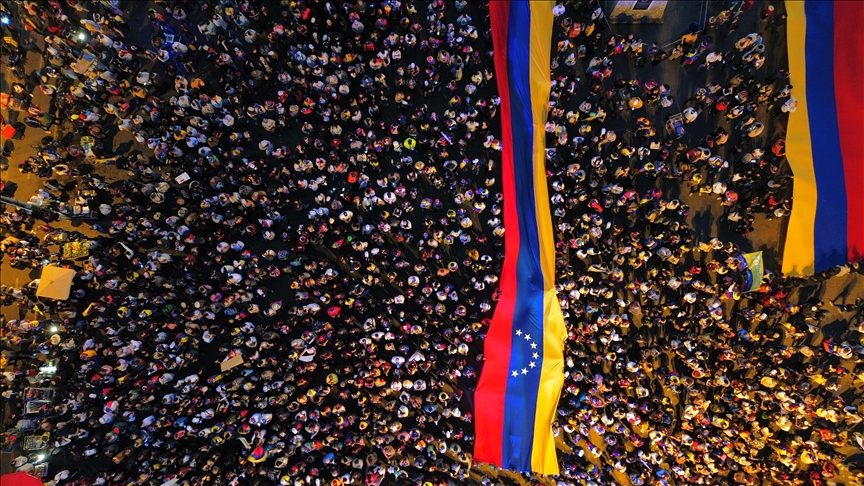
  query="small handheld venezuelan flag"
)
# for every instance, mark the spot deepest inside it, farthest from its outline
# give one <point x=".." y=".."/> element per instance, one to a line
<point x="521" y="381"/>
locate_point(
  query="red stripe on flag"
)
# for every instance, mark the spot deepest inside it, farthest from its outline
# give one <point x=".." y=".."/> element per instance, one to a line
<point x="848" y="73"/>
<point x="492" y="387"/>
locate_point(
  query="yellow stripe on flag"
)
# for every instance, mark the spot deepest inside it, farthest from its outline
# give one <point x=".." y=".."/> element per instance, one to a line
<point x="544" y="459"/>
<point x="799" y="251"/>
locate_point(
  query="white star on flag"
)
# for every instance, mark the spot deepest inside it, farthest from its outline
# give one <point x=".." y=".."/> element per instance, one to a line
<point x="524" y="368"/>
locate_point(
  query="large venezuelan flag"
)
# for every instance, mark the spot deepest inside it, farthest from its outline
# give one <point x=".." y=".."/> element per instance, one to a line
<point x="826" y="60"/>
<point x="520" y="385"/>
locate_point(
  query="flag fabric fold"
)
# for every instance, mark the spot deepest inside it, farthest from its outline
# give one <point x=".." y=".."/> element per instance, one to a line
<point x="521" y="381"/>
<point x="826" y="62"/>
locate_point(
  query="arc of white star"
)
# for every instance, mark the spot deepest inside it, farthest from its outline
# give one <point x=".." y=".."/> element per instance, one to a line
<point x="527" y="337"/>
<point x="518" y="332"/>
<point x="515" y="374"/>
<point x="533" y="345"/>
<point x="524" y="371"/>
<point x="535" y="356"/>
<point x="531" y="364"/>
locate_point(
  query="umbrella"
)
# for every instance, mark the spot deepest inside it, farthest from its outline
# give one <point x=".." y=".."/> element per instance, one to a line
<point x="55" y="283"/>
<point x="20" y="479"/>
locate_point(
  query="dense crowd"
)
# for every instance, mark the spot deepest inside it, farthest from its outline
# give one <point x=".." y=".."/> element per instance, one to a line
<point x="314" y="187"/>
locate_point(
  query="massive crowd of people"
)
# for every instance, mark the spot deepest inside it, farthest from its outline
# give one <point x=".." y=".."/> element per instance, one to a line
<point x="314" y="187"/>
